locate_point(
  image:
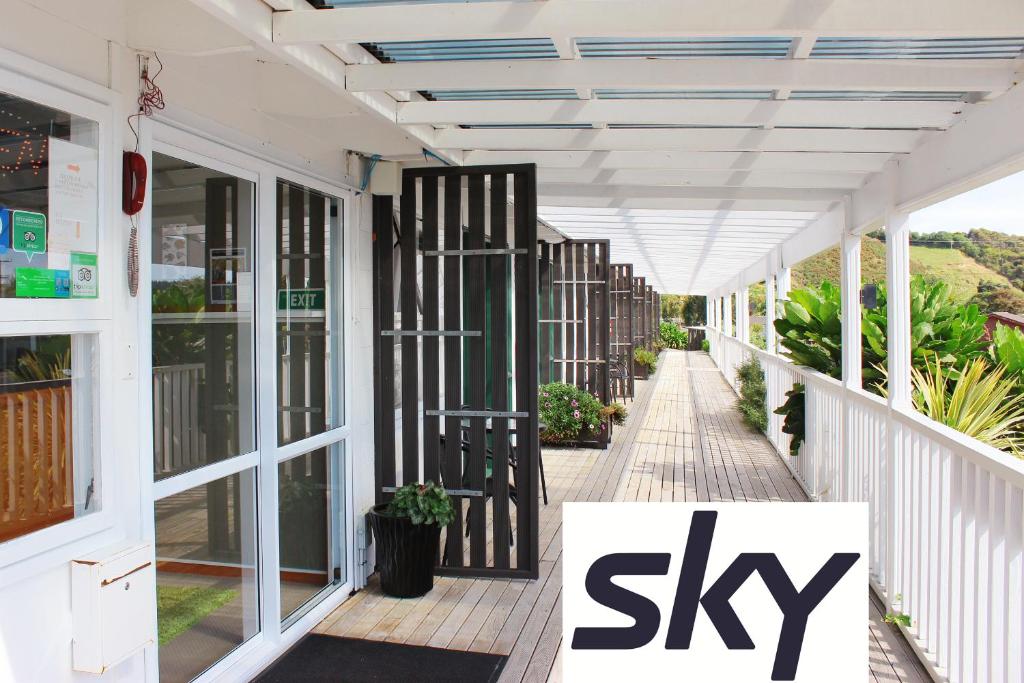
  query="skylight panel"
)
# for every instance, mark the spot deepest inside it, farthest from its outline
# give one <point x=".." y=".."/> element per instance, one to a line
<point x="918" y="48"/>
<point x="682" y="48"/>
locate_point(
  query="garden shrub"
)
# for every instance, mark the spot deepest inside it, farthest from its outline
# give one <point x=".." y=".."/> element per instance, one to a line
<point x="672" y="336"/>
<point x="752" y="402"/>
<point x="567" y="410"/>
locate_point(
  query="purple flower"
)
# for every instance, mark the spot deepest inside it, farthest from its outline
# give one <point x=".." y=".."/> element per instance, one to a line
<point x="545" y="394"/>
<point x="574" y="403"/>
<point x="576" y="414"/>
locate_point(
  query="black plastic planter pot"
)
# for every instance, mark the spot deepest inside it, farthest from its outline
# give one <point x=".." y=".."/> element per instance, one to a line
<point x="406" y="553"/>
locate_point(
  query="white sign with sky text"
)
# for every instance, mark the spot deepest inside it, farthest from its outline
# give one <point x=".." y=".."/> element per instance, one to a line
<point x="715" y="592"/>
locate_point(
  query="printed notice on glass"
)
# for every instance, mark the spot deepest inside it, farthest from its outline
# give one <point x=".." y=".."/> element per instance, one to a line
<point x="73" y="198"/>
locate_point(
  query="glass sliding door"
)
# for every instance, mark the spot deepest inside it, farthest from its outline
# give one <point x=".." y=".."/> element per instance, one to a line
<point x="311" y="514"/>
<point x="207" y="591"/>
<point x="311" y="500"/>
<point x="205" y="463"/>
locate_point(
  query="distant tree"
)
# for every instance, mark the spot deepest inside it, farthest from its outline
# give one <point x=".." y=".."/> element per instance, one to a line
<point x="993" y="297"/>
<point x="695" y="310"/>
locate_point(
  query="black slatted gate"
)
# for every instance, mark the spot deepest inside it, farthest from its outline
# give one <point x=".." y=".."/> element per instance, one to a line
<point x="640" y="340"/>
<point x="575" y="311"/>
<point x="469" y="329"/>
<point x="621" y="296"/>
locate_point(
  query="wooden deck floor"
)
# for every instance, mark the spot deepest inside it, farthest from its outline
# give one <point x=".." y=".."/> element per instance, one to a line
<point x="684" y="441"/>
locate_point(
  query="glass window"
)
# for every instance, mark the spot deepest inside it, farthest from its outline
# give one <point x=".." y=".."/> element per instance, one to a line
<point x="308" y="304"/>
<point x="311" y="515"/>
<point x="207" y="595"/>
<point x="47" y="417"/>
<point x="49" y="202"/>
<point x="203" y="365"/>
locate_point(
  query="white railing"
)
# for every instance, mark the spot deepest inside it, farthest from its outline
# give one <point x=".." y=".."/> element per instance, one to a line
<point x="947" y="514"/>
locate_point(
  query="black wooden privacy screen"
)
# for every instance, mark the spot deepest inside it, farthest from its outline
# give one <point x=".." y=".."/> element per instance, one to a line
<point x="574" y="315"/>
<point x="470" y="329"/>
<point x="621" y="330"/>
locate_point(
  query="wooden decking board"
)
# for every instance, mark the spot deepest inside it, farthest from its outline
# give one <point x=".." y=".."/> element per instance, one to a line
<point x="684" y="441"/>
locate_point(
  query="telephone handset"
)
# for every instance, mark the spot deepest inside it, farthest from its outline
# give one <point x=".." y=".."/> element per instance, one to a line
<point x="133" y="193"/>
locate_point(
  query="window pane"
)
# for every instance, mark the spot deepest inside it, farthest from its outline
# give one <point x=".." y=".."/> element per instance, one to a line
<point x="312" y="528"/>
<point x="207" y="595"/>
<point x="47" y="418"/>
<point x="49" y="202"/>
<point x="203" y="368"/>
<point x="308" y="311"/>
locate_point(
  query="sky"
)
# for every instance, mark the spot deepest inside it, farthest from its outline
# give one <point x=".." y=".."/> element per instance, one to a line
<point x="996" y="206"/>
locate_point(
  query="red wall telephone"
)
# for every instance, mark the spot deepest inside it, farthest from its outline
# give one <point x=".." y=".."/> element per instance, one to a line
<point x="133" y="192"/>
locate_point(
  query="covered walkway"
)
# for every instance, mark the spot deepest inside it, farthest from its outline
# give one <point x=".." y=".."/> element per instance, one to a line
<point x="684" y="442"/>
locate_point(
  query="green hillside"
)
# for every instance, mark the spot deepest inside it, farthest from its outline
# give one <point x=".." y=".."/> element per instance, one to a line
<point x="953" y="266"/>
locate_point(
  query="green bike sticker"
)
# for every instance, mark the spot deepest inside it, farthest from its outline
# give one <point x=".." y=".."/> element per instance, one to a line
<point x="42" y="283"/>
<point x="85" y="277"/>
<point x="28" y="233"/>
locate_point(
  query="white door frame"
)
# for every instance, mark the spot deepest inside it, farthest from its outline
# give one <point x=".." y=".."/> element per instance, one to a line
<point x="168" y="137"/>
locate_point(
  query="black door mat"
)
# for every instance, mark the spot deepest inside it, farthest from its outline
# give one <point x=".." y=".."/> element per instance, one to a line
<point x="350" y="660"/>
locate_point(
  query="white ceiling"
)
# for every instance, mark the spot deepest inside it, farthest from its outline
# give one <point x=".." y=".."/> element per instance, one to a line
<point x="697" y="136"/>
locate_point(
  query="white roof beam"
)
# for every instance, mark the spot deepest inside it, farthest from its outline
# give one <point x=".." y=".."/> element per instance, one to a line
<point x="980" y="148"/>
<point x="603" y="201"/>
<point x="858" y="114"/>
<point x="696" y="74"/>
<point x="686" y="161"/>
<point x="253" y="19"/>
<point x="655" y="18"/>
<point x="681" y="139"/>
<point x="661" y="192"/>
<point x="723" y="178"/>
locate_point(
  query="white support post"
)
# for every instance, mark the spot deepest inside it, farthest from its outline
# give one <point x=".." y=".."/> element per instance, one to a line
<point x="743" y="314"/>
<point x="727" y="313"/>
<point x="784" y="282"/>
<point x="897" y="279"/>
<point x="850" y="284"/>
<point x="897" y="276"/>
<point x="769" y="313"/>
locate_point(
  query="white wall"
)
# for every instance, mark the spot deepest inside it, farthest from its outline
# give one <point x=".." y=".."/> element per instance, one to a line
<point x="214" y="82"/>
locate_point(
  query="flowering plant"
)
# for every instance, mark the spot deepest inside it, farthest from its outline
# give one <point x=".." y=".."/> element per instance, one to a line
<point x="566" y="411"/>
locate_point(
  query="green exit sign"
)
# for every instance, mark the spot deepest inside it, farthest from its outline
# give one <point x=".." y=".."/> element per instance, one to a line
<point x="301" y="300"/>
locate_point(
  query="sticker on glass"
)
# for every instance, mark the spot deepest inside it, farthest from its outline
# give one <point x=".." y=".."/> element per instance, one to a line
<point x="28" y="233"/>
<point x="84" y="276"/>
<point x="42" y="283"/>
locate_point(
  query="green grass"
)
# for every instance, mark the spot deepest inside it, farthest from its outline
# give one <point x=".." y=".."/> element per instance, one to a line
<point x="179" y="608"/>
<point x="954" y="267"/>
<point x="949" y="265"/>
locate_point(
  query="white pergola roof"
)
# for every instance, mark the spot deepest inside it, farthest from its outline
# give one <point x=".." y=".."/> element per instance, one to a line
<point x="710" y="141"/>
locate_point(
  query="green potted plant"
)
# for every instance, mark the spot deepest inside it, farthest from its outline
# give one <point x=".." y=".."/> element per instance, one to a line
<point x="407" y="531"/>
<point x="644" y="363"/>
<point x="570" y="415"/>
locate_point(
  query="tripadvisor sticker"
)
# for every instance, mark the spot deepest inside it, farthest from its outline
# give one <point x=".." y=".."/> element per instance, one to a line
<point x="42" y="283"/>
<point x="84" y="276"/>
<point x="28" y="233"/>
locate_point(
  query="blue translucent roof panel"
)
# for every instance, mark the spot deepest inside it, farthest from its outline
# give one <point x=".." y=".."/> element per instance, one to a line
<point x="463" y="50"/>
<point x="535" y="126"/>
<point x="897" y="95"/>
<point x="629" y="94"/>
<point x="370" y="3"/>
<point x="539" y="94"/>
<point x="918" y="48"/>
<point x="681" y="48"/>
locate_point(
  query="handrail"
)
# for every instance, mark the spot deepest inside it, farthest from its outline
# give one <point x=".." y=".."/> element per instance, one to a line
<point x="946" y="512"/>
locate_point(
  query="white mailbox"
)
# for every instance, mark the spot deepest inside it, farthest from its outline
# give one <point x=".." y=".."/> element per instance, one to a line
<point x="113" y="605"/>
